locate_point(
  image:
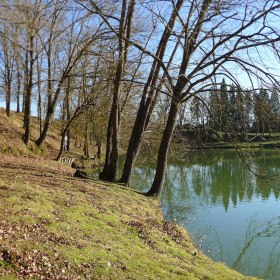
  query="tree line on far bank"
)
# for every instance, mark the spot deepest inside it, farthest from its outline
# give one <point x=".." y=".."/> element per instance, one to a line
<point x="121" y="71"/>
<point x="233" y="109"/>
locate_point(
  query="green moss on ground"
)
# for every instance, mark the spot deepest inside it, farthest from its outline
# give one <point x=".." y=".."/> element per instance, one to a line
<point x="55" y="226"/>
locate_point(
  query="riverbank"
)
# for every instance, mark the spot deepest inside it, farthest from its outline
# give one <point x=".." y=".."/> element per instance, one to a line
<point x="234" y="141"/>
<point x="56" y="226"/>
<point x="240" y="145"/>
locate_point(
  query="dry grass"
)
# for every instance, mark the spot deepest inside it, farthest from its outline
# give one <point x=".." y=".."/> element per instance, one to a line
<point x="11" y="132"/>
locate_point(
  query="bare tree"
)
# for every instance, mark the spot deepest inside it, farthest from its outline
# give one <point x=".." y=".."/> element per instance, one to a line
<point x="31" y="13"/>
<point x="8" y="61"/>
<point x="217" y="36"/>
<point x="148" y="99"/>
<point x="149" y="96"/>
<point x="214" y="38"/>
<point x="125" y="18"/>
<point x="80" y="38"/>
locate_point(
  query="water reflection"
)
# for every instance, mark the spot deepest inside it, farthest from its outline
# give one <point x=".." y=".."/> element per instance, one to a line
<point x="231" y="214"/>
<point x="256" y="234"/>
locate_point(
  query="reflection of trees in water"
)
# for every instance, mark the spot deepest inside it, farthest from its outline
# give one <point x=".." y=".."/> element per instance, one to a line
<point x="176" y="192"/>
<point x="204" y="158"/>
<point x="220" y="182"/>
<point x="256" y="230"/>
<point x="215" y="176"/>
<point x="225" y="180"/>
<point x="220" y="179"/>
<point x="268" y="164"/>
<point x="272" y="269"/>
<point x="247" y="255"/>
<point x="142" y="177"/>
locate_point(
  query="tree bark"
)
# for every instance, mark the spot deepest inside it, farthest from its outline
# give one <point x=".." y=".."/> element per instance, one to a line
<point x="147" y="101"/>
<point x="49" y="116"/>
<point x="28" y="97"/>
<point x="98" y="148"/>
<point x="18" y="89"/>
<point x="68" y="113"/>
<point x="25" y="83"/>
<point x="8" y="96"/>
<point x="110" y="168"/>
<point x="16" y="49"/>
<point x="39" y="104"/>
<point x="109" y="171"/>
<point x="163" y="151"/>
<point x="86" y="143"/>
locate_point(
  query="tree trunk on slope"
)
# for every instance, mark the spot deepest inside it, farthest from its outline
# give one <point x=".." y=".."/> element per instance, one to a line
<point x="109" y="171"/>
<point x="147" y="101"/>
<point x="50" y="112"/>
<point x="8" y="97"/>
<point x="45" y="130"/>
<point x="28" y="96"/>
<point x="86" y="143"/>
<point x="39" y="103"/>
<point x="25" y="82"/>
<point x="163" y="151"/>
<point x="110" y="168"/>
<point x="134" y="143"/>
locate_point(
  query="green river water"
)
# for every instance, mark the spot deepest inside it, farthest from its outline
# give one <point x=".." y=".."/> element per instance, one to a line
<point x="232" y="215"/>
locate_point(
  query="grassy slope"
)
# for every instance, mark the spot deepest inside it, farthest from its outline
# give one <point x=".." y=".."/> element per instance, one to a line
<point x="55" y="226"/>
<point x="11" y="132"/>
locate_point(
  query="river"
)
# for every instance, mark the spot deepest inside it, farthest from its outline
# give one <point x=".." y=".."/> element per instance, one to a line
<point x="232" y="215"/>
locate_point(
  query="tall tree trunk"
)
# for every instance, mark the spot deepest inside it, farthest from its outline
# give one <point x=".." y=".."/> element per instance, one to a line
<point x="50" y="106"/>
<point x="98" y="148"/>
<point x="109" y="171"/>
<point x="134" y="143"/>
<point x="189" y="47"/>
<point x="63" y="135"/>
<point x="8" y="96"/>
<point x="25" y="84"/>
<point x="18" y="89"/>
<point x="86" y="143"/>
<point x="16" y="49"/>
<point x="163" y="151"/>
<point x="49" y="115"/>
<point x="68" y="112"/>
<point x="114" y="157"/>
<point x="28" y="97"/>
<point x="39" y="104"/>
<point x="104" y="173"/>
<point x="110" y="168"/>
<point x="46" y="127"/>
<point x="147" y="102"/>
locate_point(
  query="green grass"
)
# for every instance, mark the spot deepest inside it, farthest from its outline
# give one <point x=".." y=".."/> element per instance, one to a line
<point x="53" y="225"/>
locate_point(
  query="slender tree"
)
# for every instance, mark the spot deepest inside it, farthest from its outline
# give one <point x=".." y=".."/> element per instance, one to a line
<point x="7" y="59"/>
<point x="110" y="168"/>
<point x="224" y="104"/>
<point x="227" y="49"/>
<point x="275" y="109"/>
<point x="148" y="98"/>
<point x="32" y="18"/>
<point x="79" y="40"/>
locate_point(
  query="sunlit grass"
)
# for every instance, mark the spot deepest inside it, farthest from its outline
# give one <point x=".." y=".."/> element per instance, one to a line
<point x="91" y="229"/>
